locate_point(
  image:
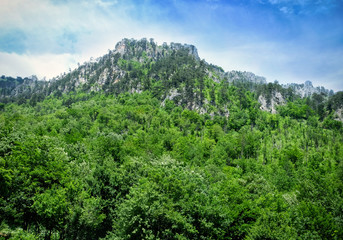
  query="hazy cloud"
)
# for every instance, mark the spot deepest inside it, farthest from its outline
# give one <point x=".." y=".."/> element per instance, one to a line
<point x="43" y="65"/>
<point x="61" y="33"/>
<point x="304" y="6"/>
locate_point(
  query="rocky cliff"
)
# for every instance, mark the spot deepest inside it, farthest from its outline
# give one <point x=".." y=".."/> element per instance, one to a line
<point x="307" y="89"/>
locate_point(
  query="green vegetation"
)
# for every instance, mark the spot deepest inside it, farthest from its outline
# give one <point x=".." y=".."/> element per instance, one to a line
<point x="119" y="158"/>
<point x="127" y="168"/>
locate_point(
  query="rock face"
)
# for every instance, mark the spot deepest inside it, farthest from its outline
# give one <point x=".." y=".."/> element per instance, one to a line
<point x="173" y="93"/>
<point x="270" y="106"/>
<point x="339" y="114"/>
<point x="245" y="76"/>
<point x="17" y="86"/>
<point x="121" y="47"/>
<point x="192" y="49"/>
<point x="134" y="48"/>
<point x="307" y="89"/>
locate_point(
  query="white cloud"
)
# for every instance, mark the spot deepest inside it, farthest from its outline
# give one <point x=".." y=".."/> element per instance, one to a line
<point x="45" y="65"/>
<point x="306" y="6"/>
<point x="105" y="4"/>
<point x="293" y="2"/>
<point x="286" y="10"/>
<point x="33" y="14"/>
<point x="60" y="35"/>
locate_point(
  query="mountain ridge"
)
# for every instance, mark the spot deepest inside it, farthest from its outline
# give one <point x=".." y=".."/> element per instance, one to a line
<point x="126" y="48"/>
<point x="138" y="65"/>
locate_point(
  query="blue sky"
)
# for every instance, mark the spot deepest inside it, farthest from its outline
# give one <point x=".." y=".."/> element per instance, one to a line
<point x="284" y="40"/>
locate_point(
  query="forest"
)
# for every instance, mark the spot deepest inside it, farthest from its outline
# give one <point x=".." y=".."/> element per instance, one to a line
<point x="118" y="164"/>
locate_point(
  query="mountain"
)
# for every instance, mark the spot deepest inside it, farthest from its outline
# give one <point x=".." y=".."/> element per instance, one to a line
<point x="151" y="142"/>
<point x="172" y="72"/>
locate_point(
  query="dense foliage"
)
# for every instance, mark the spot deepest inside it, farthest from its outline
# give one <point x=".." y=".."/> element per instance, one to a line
<point x="156" y="144"/>
<point x="86" y="166"/>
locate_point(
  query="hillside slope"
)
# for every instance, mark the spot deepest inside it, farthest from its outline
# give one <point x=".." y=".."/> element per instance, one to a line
<point x="150" y="142"/>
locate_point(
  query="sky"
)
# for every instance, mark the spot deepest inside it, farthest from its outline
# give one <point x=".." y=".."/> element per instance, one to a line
<point x="283" y="40"/>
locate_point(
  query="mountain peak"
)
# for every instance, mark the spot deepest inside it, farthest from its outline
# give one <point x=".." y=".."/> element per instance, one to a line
<point x="191" y="48"/>
<point x="307" y="89"/>
<point x="132" y="47"/>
